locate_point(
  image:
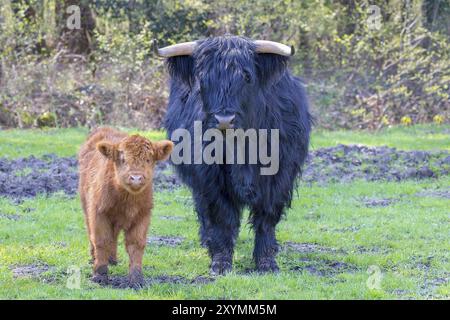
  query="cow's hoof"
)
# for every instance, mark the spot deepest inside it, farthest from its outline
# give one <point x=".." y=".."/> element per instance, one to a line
<point x="221" y="266"/>
<point x="267" y="265"/>
<point x="112" y="261"/>
<point x="136" y="280"/>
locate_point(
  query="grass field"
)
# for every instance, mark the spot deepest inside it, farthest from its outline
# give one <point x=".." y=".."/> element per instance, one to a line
<point x="333" y="245"/>
<point x="65" y="142"/>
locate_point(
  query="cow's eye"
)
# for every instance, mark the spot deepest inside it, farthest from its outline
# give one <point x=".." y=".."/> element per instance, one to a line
<point x="247" y="77"/>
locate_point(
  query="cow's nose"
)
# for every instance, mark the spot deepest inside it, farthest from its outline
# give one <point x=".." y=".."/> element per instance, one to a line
<point x="136" y="179"/>
<point x="224" y="122"/>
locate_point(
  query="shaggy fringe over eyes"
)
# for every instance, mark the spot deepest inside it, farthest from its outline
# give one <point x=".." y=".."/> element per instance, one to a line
<point x="181" y="68"/>
<point x="270" y="67"/>
<point x="138" y="147"/>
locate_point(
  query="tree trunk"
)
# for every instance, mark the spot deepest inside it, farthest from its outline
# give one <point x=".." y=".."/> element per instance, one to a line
<point x="75" y="39"/>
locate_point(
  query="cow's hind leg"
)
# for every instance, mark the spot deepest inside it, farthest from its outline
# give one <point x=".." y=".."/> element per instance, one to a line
<point x="220" y="221"/>
<point x="266" y="246"/>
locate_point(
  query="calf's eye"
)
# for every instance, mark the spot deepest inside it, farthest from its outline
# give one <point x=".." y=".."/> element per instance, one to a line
<point x="121" y="158"/>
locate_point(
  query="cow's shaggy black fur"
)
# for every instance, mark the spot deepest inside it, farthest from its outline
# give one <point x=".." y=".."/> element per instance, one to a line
<point x="226" y="76"/>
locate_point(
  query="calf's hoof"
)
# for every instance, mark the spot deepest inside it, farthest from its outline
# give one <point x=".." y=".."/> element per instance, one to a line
<point x="221" y="265"/>
<point x="136" y="280"/>
<point x="266" y="265"/>
<point x="101" y="279"/>
<point x="100" y="275"/>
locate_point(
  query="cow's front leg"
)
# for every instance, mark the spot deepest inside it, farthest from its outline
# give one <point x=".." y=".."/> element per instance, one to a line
<point x="219" y="228"/>
<point x="266" y="246"/>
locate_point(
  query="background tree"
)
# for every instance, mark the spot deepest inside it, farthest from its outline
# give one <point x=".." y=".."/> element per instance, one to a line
<point x="357" y="76"/>
<point x="75" y="41"/>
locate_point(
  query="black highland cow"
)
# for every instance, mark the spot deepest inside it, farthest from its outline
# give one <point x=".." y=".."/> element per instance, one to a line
<point x="236" y="82"/>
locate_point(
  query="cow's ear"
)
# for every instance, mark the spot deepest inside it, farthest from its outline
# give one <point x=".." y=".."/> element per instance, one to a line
<point x="270" y="67"/>
<point x="181" y="68"/>
<point x="109" y="150"/>
<point x="163" y="149"/>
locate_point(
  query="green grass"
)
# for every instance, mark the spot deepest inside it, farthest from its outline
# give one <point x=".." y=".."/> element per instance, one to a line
<point x="407" y="241"/>
<point x="65" y="142"/>
<point x="420" y="137"/>
<point x="62" y="142"/>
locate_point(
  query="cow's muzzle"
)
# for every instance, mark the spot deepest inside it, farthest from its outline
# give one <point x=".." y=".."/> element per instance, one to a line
<point x="224" y="122"/>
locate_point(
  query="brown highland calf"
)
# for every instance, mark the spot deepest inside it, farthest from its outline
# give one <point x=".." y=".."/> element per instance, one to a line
<point x="116" y="173"/>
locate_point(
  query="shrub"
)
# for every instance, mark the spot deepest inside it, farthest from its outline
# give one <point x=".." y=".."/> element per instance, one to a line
<point x="357" y="76"/>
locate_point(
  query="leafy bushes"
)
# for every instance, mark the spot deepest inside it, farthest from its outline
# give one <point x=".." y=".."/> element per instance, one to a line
<point x="118" y="83"/>
<point x="391" y="74"/>
<point x="358" y="75"/>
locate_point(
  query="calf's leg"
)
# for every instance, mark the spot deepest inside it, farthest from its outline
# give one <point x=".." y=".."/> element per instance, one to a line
<point x="102" y="241"/>
<point x="92" y="251"/>
<point x="113" y="255"/>
<point x="135" y="241"/>
<point x="89" y="229"/>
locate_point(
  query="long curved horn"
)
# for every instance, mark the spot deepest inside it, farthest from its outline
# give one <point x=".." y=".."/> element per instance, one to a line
<point x="264" y="46"/>
<point x="179" y="49"/>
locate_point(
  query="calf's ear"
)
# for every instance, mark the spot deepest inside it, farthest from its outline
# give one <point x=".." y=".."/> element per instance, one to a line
<point x="107" y="149"/>
<point x="270" y="67"/>
<point x="163" y="149"/>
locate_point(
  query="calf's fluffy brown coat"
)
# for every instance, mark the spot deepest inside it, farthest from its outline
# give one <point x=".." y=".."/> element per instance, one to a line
<point x="116" y="173"/>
